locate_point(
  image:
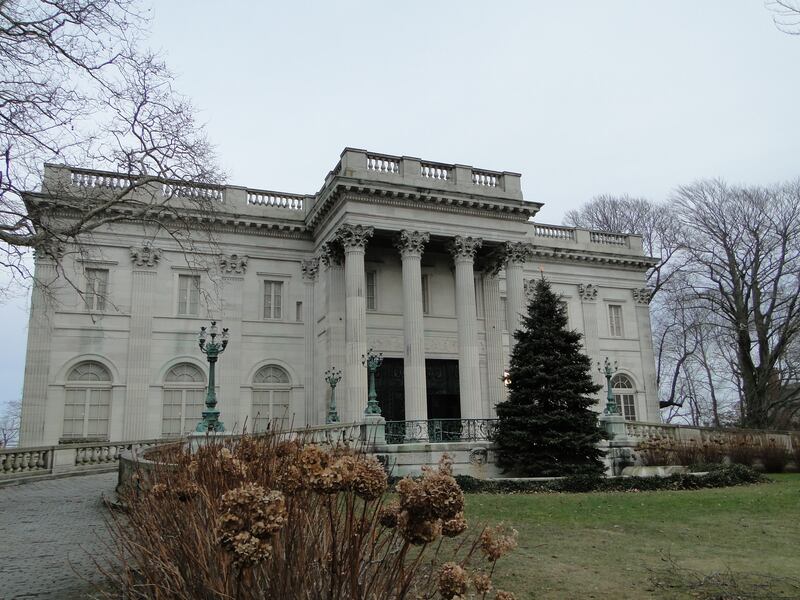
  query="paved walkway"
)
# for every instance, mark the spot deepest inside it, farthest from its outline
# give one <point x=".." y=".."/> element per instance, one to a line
<point x="49" y="531"/>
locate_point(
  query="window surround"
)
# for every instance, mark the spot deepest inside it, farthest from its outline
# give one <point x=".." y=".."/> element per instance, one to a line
<point x="96" y="293"/>
<point x="615" y="329"/>
<point x="623" y="387"/>
<point x="74" y="384"/>
<point x="198" y="386"/>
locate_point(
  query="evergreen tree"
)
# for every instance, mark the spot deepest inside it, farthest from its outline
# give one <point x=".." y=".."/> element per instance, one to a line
<point x="546" y="426"/>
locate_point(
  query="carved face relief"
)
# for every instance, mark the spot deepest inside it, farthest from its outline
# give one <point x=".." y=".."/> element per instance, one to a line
<point x="145" y="256"/>
<point x="642" y="295"/>
<point x="233" y="263"/>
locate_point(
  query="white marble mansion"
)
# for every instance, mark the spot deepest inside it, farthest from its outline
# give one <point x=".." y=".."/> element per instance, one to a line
<point x="426" y="262"/>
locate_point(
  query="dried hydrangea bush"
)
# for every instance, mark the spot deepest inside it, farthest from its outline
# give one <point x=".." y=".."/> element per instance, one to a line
<point x="273" y="517"/>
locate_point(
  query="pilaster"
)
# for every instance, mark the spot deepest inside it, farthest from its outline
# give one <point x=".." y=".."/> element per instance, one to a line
<point x="332" y="258"/>
<point x="354" y="240"/>
<point x="492" y="308"/>
<point x="463" y="250"/>
<point x="233" y="406"/>
<point x="641" y="297"/>
<point x="589" y="312"/>
<point x="411" y="245"/>
<point x="310" y="272"/>
<point x="144" y="261"/>
<point x="37" y="358"/>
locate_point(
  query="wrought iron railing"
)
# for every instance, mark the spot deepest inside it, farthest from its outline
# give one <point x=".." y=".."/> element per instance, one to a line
<point x="439" y="430"/>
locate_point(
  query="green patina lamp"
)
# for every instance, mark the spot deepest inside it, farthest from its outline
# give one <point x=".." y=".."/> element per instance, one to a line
<point x="372" y="361"/>
<point x="607" y="370"/>
<point x="212" y="349"/>
<point x="333" y="377"/>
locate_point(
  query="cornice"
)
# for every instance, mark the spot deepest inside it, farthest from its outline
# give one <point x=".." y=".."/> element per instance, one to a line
<point x="432" y="199"/>
<point x="636" y="262"/>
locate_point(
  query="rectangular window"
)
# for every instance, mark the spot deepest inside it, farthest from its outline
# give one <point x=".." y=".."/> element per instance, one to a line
<point x="188" y="294"/>
<point x="615" y="320"/>
<point x="426" y="298"/>
<point x="372" y="291"/>
<point x="96" y="289"/>
<point x="273" y="299"/>
<point x="626" y="401"/>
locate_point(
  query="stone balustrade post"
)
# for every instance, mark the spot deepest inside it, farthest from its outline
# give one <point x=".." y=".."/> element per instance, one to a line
<point x="354" y="240"/>
<point x="463" y="250"/>
<point x="411" y="245"/>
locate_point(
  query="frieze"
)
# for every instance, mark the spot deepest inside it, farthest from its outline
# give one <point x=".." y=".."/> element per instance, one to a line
<point x="354" y="236"/>
<point x="465" y="246"/>
<point x="310" y="269"/>
<point x="411" y="243"/>
<point x="145" y="256"/>
<point x="642" y="295"/>
<point x="233" y="263"/>
<point x="587" y="292"/>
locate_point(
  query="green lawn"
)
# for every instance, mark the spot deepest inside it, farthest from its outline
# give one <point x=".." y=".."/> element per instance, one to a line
<point x="738" y="542"/>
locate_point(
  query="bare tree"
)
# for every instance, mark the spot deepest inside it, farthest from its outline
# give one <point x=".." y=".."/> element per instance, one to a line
<point x="9" y="423"/>
<point x="786" y="15"/>
<point x="626" y="214"/>
<point x="77" y="88"/>
<point x="743" y="248"/>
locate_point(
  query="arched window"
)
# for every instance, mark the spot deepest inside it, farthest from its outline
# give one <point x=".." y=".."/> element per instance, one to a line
<point x="625" y="394"/>
<point x="271" y="394"/>
<point x="184" y="398"/>
<point x="87" y="401"/>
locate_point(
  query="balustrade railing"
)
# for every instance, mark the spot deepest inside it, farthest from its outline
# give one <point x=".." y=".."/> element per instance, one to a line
<point x="554" y="232"/>
<point x="25" y="461"/>
<point x="436" y="171"/>
<point x="485" y="178"/>
<point x="275" y="199"/>
<point x="382" y="163"/>
<point x="97" y="179"/>
<point x="439" y="430"/>
<point x="194" y="191"/>
<point x="611" y="239"/>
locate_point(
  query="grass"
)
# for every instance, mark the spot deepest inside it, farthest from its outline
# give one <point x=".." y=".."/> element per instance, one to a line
<point x="738" y="542"/>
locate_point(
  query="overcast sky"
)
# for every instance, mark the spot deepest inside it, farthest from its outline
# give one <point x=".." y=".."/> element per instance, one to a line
<point x="581" y="97"/>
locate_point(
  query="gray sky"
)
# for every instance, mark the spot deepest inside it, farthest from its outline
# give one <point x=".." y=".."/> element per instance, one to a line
<point x="581" y="97"/>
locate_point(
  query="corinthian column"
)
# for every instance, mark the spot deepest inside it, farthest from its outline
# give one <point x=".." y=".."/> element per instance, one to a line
<point x="332" y="256"/>
<point x="469" y="380"/>
<point x="517" y="253"/>
<point x="310" y="270"/>
<point x="492" y="308"/>
<point x="145" y="262"/>
<point x="354" y="240"/>
<point x="411" y="244"/>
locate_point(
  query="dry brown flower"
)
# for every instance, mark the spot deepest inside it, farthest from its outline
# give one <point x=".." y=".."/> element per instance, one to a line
<point x="287" y="448"/>
<point x="387" y="515"/>
<point x="312" y="460"/>
<point x="503" y="595"/>
<point x="443" y="495"/>
<point x="413" y="497"/>
<point x="482" y="583"/>
<point x="251" y="516"/>
<point x="289" y="479"/>
<point x="417" y="530"/>
<point x="495" y="542"/>
<point x="369" y="478"/>
<point x="453" y="580"/>
<point x="455" y="526"/>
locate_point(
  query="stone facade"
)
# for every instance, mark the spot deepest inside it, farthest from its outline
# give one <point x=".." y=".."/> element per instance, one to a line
<point x="426" y="262"/>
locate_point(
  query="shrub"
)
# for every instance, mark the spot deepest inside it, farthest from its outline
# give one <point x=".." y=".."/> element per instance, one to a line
<point x="271" y="518"/>
<point x="774" y="456"/>
<point x="742" y="450"/>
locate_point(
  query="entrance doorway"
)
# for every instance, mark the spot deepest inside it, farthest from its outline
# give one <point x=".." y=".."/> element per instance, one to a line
<point x="442" y="389"/>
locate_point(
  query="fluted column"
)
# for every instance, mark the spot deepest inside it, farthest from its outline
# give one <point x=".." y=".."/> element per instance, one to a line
<point x="354" y="240"/>
<point x="516" y="255"/>
<point x="463" y="250"/>
<point x="492" y="308"/>
<point x="332" y="257"/>
<point x="310" y="270"/>
<point x="37" y="359"/>
<point x="411" y="245"/>
<point x="137" y="390"/>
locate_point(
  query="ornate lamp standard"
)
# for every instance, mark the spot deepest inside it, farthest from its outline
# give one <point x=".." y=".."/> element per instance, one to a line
<point x="608" y="371"/>
<point x="212" y="350"/>
<point x="372" y="361"/>
<point x="333" y="377"/>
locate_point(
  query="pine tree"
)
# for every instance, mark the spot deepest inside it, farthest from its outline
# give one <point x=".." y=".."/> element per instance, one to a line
<point x="546" y="426"/>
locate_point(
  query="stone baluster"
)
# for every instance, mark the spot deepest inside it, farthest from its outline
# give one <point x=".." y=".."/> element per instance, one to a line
<point x="143" y="283"/>
<point x="411" y="245"/>
<point x="463" y="250"/>
<point x="37" y="359"/>
<point x="354" y="240"/>
<point x="310" y="272"/>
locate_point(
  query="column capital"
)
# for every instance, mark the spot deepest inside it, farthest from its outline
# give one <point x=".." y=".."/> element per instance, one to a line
<point x="465" y="247"/>
<point x="587" y="292"/>
<point x="518" y="252"/>
<point x="492" y="263"/>
<point x="642" y="295"/>
<point x="354" y="237"/>
<point x="310" y="269"/>
<point x="145" y="256"/>
<point x="332" y="254"/>
<point x="233" y="264"/>
<point x="411" y="243"/>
